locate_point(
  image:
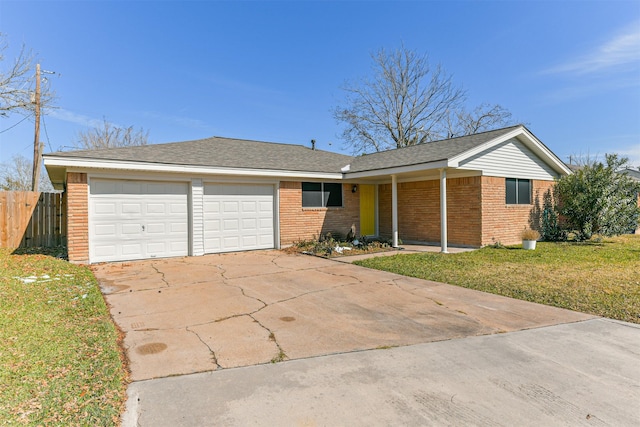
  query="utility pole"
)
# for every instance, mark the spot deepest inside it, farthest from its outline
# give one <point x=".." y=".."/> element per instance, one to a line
<point x="36" y="142"/>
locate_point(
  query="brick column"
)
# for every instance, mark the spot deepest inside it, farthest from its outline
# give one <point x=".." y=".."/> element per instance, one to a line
<point x="77" y="194"/>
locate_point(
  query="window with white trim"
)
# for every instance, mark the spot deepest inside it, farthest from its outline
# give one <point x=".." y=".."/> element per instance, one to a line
<point x="518" y="191"/>
<point x="321" y="195"/>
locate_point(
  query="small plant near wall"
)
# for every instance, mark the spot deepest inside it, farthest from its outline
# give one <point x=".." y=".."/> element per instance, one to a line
<point x="334" y="245"/>
<point x="529" y="238"/>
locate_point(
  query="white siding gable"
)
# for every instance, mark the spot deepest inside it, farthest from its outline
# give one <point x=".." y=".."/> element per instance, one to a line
<point x="510" y="159"/>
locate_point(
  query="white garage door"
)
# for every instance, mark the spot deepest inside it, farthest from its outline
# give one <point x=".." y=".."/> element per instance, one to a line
<point x="238" y="217"/>
<point x="137" y="220"/>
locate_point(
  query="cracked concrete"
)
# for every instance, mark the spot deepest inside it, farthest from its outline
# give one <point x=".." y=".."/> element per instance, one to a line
<point x="195" y="314"/>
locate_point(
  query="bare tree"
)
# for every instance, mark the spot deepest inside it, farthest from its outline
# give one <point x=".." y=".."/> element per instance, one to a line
<point x="17" y="81"/>
<point x="17" y="174"/>
<point x="109" y="135"/>
<point x="408" y="102"/>
<point x="483" y="118"/>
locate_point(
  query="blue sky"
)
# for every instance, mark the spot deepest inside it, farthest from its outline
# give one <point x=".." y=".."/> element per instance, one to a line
<point x="272" y="71"/>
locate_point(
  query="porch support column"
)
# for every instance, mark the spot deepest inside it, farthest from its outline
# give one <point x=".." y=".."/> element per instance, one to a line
<point x="394" y="211"/>
<point x="443" y="211"/>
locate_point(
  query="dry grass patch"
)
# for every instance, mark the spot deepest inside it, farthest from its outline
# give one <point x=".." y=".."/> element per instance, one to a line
<point x="60" y="364"/>
<point x="601" y="278"/>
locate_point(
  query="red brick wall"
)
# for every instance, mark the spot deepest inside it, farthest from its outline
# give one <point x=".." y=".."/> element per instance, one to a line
<point x="501" y="222"/>
<point x="464" y="211"/>
<point x="419" y="211"/>
<point x="477" y="214"/>
<point x="78" y="218"/>
<point x="298" y="223"/>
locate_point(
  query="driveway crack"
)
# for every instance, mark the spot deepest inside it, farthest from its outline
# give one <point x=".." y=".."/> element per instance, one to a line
<point x="281" y="356"/>
<point x="213" y="353"/>
<point x="161" y="275"/>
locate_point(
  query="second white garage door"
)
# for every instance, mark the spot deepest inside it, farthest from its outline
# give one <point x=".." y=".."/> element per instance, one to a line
<point x="238" y="217"/>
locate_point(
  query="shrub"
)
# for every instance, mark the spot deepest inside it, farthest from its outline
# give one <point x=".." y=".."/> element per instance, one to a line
<point x="597" y="199"/>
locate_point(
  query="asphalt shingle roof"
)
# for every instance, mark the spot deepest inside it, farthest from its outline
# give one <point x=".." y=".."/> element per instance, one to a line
<point x="424" y="153"/>
<point x="223" y="153"/>
<point x="245" y="154"/>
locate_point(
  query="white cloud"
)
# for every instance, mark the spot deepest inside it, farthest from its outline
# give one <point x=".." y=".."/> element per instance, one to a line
<point x="70" y="116"/>
<point x="621" y="53"/>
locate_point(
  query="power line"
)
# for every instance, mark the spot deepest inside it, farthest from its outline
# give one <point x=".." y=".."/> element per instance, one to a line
<point x="11" y="127"/>
<point x="44" y="124"/>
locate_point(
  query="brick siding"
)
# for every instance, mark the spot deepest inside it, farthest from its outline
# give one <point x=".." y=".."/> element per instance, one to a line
<point x="503" y="223"/>
<point x="78" y="218"/>
<point x="298" y="223"/>
<point x="477" y="214"/>
<point x="419" y="211"/>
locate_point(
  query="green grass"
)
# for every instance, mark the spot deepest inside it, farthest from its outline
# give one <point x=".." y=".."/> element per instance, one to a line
<point x="60" y="363"/>
<point x="598" y="278"/>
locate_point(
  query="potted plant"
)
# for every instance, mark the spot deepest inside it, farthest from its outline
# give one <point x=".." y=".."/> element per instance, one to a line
<point x="529" y="238"/>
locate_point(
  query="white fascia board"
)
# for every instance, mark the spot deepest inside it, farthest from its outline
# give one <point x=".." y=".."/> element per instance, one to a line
<point x="82" y="164"/>
<point x="399" y="170"/>
<point x="530" y="141"/>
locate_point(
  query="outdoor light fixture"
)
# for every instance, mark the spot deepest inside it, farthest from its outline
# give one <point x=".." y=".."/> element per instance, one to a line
<point x="354" y="188"/>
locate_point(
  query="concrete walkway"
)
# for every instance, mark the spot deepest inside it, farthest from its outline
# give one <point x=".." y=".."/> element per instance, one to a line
<point x="578" y="374"/>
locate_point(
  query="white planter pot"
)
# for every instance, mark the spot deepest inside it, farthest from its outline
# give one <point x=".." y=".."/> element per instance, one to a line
<point x="529" y="244"/>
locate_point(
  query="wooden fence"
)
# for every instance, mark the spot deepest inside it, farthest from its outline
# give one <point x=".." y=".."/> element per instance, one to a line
<point x="32" y="219"/>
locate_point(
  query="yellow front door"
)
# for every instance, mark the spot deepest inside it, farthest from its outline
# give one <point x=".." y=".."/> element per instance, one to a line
<point x="367" y="209"/>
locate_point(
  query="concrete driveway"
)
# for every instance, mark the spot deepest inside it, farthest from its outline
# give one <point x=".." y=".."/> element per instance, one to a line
<point x="188" y="315"/>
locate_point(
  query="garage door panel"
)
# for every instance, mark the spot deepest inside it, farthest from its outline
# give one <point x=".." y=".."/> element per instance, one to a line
<point x="156" y="228"/>
<point x="179" y="228"/>
<point x="156" y="208"/>
<point x="249" y="240"/>
<point x="212" y="225"/>
<point x="249" y="224"/>
<point x="131" y="208"/>
<point x="230" y="207"/>
<point x="213" y="244"/>
<point x="266" y="239"/>
<point x="266" y="207"/>
<point x="105" y="230"/>
<point x="106" y="250"/>
<point x="249" y="206"/>
<point x="105" y="208"/>
<point x="231" y="243"/>
<point x="150" y="220"/>
<point x="178" y="208"/>
<point x="266" y="223"/>
<point x="230" y="225"/>
<point x="131" y="249"/>
<point x="237" y="216"/>
<point x="133" y="229"/>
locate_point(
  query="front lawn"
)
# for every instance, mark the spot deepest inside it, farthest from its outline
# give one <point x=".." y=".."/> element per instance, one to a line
<point x="601" y="278"/>
<point x="60" y="364"/>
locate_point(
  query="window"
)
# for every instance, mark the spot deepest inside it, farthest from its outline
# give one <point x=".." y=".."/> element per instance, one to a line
<point x="518" y="191"/>
<point x="321" y="195"/>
